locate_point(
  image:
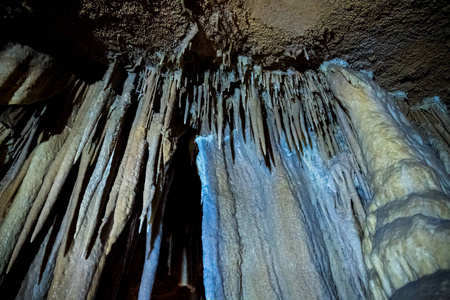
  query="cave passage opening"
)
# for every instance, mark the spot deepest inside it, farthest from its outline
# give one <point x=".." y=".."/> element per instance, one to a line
<point x="180" y="269"/>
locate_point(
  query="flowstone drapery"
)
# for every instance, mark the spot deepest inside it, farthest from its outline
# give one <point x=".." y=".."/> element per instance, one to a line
<point x="407" y="229"/>
<point x="315" y="184"/>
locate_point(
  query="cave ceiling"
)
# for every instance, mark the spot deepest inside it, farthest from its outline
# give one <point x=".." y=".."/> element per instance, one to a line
<point x="217" y="149"/>
<point x="405" y="43"/>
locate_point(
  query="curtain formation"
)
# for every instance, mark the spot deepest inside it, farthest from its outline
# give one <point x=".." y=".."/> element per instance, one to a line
<point x="315" y="184"/>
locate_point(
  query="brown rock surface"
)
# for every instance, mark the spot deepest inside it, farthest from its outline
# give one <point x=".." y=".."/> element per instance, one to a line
<point x="28" y="76"/>
<point x="291" y="177"/>
<point x="405" y="43"/>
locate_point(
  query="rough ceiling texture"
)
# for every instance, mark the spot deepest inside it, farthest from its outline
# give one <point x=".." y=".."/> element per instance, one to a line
<point x="405" y="43"/>
<point x="182" y="149"/>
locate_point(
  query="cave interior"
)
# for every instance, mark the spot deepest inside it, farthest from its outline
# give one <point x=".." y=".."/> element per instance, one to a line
<point x="213" y="149"/>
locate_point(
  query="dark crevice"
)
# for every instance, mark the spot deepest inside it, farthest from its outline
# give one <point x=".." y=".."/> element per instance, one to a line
<point x="181" y="230"/>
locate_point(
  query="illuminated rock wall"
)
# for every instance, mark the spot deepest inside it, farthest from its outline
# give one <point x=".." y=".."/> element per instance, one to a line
<point x="407" y="227"/>
<point x="315" y="184"/>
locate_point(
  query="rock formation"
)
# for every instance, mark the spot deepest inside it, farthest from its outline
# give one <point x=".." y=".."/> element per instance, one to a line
<point x="313" y="182"/>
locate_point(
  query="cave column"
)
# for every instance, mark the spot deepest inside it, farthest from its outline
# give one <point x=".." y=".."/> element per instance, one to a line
<point x="407" y="230"/>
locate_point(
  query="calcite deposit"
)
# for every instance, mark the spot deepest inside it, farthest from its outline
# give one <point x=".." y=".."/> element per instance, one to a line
<point x="208" y="150"/>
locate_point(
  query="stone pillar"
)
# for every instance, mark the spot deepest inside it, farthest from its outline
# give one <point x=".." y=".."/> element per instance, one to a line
<point x="407" y="229"/>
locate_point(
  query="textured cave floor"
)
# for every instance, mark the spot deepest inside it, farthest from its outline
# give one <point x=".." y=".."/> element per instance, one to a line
<point x="405" y="43"/>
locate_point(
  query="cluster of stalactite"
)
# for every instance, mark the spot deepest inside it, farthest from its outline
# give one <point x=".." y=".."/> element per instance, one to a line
<point x="406" y="229"/>
<point x="90" y="168"/>
<point x="104" y="160"/>
<point x="432" y="122"/>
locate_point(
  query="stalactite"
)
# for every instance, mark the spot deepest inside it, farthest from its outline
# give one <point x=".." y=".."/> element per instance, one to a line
<point x="431" y="117"/>
<point x="408" y="185"/>
<point x="132" y="166"/>
<point x="28" y="76"/>
<point x="69" y="154"/>
<point x="298" y="191"/>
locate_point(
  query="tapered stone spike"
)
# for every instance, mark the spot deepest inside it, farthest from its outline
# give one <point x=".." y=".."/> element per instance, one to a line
<point x="278" y="122"/>
<point x="86" y="157"/>
<point x="199" y="101"/>
<point x="220" y="119"/>
<point x="237" y="122"/>
<point x="103" y="165"/>
<point x="111" y="131"/>
<point x="287" y="129"/>
<point x="133" y="157"/>
<point x="186" y="110"/>
<point x="303" y="126"/>
<point x="92" y="220"/>
<point x="7" y="196"/>
<point x="293" y="130"/>
<point x="41" y="160"/>
<point x="297" y="176"/>
<point x="154" y="144"/>
<point x="351" y="137"/>
<point x="27" y="137"/>
<point x="71" y="150"/>
<point x="256" y="118"/>
<point x="47" y="183"/>
<point x="171" y="99"/>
